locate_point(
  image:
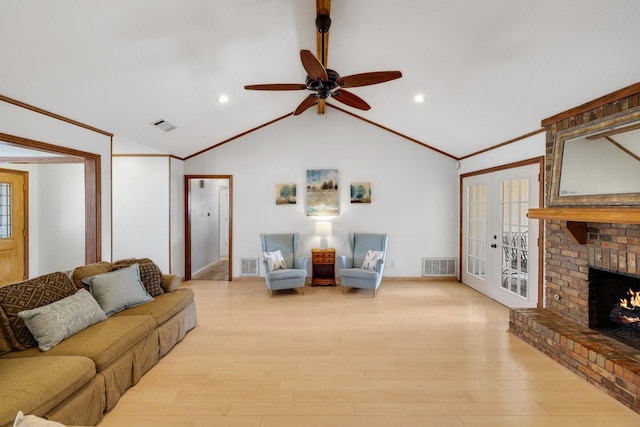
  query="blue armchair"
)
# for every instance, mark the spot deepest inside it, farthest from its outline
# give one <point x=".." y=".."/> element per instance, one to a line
<point x="353" y="273"/>
<point x="294" y="273"/>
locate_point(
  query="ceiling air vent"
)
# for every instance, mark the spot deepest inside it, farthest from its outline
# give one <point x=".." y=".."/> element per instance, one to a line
<point x="163" y="125"/>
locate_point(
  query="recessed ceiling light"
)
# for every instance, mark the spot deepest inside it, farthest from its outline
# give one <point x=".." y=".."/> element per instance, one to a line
<point x="419" y="98"/>
<point x="223" y="99"/>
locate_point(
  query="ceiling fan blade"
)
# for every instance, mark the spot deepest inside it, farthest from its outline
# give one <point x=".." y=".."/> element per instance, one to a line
<point x="314" y="68"/>
<point x="277" y="86"/>
<point x="309" y="101"/>
<point x="365" y="79"/>
<point x="350" y="99"/>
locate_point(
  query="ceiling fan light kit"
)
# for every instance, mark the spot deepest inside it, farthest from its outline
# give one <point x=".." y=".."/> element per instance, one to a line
<point x="327" y="83"/>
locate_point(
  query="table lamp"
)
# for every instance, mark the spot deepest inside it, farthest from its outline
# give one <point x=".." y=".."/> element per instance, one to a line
<point x="323" y="230"/>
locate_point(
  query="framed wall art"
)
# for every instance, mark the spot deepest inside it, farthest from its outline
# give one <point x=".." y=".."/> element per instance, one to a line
<point x="322" y="192"/>
<point x="285" y="194"/>
<point x="361" y="192"/>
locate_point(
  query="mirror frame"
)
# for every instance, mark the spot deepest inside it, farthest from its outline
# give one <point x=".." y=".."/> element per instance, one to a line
<point x="618" y="199"/>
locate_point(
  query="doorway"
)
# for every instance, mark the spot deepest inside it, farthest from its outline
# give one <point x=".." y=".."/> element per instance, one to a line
<point x="500" y="251"/>
<point x="208" y="227"/>
<point x="13" y="226"/>
<point x="37" y="152"/>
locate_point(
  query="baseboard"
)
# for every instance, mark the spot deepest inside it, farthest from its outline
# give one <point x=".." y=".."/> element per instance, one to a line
<point x="384" y="279"/>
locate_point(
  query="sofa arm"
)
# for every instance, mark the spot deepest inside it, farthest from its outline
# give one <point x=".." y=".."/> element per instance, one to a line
<point x="171" y="282"/>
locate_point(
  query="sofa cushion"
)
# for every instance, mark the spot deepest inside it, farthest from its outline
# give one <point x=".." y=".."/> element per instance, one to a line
<point x="118" y="290"/>
<point x="37" y="384"/>
<point x="150" y="274"/>
<point x="164" y="307"/>
<point x="89" y="270"/>
<point x="5" y="342"/>
<point x="27" y="295"/>
<point x="52" y="323"/>
<point x="103" y="342"/>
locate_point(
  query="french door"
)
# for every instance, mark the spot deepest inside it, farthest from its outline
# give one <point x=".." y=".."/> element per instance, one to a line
<point x="499" y="243"/>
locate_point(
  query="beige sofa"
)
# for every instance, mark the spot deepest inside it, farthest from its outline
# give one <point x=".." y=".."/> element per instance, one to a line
<point x="84" y="375"/>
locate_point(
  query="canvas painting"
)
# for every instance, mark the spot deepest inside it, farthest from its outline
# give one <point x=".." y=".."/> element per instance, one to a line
<point x="322" y="192"/>
<point x="285" y="194"/>
<point x="361" y="192"/>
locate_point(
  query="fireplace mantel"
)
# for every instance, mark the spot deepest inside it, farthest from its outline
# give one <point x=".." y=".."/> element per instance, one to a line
<point x="577" y="218"/>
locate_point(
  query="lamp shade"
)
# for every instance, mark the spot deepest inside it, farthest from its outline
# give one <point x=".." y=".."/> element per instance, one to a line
<point x="323" y="229"/>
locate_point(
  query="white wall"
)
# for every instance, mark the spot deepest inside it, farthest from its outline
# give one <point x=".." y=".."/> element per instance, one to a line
<point x="61" y="221"/>
<point x="141" y="208"/>
<point x="25" y="123"/>
<point x="524" y="149"/>
<point x="177" y="217"/>
<point x="414" y="190"/>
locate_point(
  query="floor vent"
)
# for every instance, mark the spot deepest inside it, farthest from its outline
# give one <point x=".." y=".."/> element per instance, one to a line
<point x="249" y="266"/>
<point x="439" y="267"/>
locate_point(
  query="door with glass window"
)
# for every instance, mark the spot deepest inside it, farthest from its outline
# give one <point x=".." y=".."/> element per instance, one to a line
<point x="499" y="242"/>
<point x="12" y="226"/>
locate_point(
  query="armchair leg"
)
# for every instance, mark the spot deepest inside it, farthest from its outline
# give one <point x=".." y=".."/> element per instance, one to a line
<point x="302" y="289"/>
<point x="343" y="289"/>
<point x="270" y="293"/>
<point x="374" y="294"/>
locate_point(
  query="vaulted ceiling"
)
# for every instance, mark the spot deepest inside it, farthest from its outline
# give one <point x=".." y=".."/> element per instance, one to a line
<point x="489" y="70"/>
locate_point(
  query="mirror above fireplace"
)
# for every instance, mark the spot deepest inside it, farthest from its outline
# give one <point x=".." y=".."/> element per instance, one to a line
<point x="598" y="164"/>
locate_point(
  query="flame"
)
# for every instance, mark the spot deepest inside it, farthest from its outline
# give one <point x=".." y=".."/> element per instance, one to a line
<point x="632" y="302"/>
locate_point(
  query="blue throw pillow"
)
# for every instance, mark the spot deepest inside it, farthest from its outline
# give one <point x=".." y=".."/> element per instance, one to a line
<point x="118" y="289"/>
<point x="52" y="323"/>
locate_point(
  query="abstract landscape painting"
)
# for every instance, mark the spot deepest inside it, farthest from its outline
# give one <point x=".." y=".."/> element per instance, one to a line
<point x="322" y="192"/>
<point x="361" y="192"/>
<point x="285" y="194"/>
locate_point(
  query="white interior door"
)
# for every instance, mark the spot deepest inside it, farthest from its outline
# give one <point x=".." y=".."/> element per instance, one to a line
<point x="499" y="242"/>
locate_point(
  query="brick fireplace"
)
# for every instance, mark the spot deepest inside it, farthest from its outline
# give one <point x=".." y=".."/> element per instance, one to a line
<point x="561" y="329"/>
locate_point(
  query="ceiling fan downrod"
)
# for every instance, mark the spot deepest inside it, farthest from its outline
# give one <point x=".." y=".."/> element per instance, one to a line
<point x="323" y="23"/>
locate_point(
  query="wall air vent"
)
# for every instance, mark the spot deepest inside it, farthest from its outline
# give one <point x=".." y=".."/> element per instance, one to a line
<point x="439" y="267"/>
<point x="249" y="266"/>
<point x="163" y="125"/>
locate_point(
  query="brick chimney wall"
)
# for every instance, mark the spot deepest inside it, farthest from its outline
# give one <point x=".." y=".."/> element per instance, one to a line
<point x="611" y="247"/>
<point x="561" y="329"/>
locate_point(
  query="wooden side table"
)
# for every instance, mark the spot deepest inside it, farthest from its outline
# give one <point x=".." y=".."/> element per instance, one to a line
<point x="323" y="266"/>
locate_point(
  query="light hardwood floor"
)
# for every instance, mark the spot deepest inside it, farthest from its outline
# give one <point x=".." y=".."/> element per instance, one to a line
<point x="419" y="354"/>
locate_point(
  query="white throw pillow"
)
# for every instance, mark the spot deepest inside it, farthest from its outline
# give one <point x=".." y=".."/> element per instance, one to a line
<point x="52" y="323"/>
<point x="371" y="259"/>
<point x="276" y="262"/>
<point x="23" y="420"/>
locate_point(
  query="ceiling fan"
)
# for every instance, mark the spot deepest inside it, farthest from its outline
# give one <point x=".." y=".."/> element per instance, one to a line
<point x="324" y="82"/>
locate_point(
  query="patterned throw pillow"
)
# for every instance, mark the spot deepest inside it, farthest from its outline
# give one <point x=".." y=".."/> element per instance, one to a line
<point x="28" y="295"/>
<point x="275" y="260"/>
<point x="52" y="323"/>
<point x="371" y="259"/>
<point x="150" y="274"/>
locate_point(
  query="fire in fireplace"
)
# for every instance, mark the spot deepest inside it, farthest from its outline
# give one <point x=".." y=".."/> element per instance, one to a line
<point x="614" y="305"/>
<point x="626" y="313"/>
